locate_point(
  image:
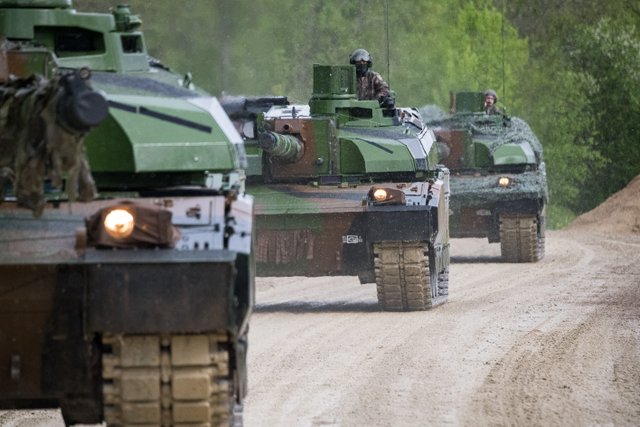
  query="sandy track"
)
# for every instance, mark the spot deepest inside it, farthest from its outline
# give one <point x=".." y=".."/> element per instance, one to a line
<point x="552" y="343"/>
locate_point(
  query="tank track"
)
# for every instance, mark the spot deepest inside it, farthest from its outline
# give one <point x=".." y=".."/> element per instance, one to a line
<point x="176" y="380"/>
<point x="405" y="277"/>
<point x="520" y="240"/>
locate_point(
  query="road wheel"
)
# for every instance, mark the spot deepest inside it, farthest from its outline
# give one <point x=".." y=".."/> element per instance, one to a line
<point x="167" y="380"/>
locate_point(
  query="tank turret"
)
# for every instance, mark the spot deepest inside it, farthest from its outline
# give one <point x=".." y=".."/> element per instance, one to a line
<point x="161" y="130"/>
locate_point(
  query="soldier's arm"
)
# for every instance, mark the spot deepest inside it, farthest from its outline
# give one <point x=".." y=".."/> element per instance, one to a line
<point x="383" y="93"/>
<point x="380" y="86"/>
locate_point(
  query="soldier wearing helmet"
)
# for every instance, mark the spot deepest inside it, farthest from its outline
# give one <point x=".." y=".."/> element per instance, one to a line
<point x="371" y="85"/>
<point x="490" y="101"/>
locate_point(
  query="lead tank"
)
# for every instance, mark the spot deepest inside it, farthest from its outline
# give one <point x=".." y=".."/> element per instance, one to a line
<point x="125" y="230"/>
<point x="345" y="187"/>
<point x="498" y="177"/>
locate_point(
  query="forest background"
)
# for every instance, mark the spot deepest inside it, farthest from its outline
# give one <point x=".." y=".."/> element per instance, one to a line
<point x="570" y="68"/>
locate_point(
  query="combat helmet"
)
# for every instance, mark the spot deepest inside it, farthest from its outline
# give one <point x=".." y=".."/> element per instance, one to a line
<point x="357" y="56"/>
<point x="491" y="92"/>
<point x="360" y="55"/>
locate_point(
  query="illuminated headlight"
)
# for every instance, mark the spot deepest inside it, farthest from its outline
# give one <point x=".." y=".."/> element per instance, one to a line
<point x="504" y="181"/>
<point x="119" y="223"/>
<point x="386" y="196"/>
<point x="131" y="225"/>
<point x="380" y="195"/>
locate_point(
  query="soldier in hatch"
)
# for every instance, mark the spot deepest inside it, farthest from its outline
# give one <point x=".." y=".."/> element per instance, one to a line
<point x="371" y="85"/>
<point x="490" y="101"/>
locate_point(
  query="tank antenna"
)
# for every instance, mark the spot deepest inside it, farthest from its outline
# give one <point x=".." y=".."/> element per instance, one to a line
<point x="386" y="29"/>
<point x="504" y="92"/>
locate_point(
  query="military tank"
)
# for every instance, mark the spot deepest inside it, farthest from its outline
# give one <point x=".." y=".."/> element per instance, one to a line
<point x="126" y="234"/>
<point x="345" y="187"/>
<point x="498" y="177"/>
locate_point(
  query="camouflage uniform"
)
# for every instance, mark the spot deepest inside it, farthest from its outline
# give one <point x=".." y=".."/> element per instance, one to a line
<point x="372" y="86"/>
<point x="38" y="144"/>
<point x="492" y="109"/>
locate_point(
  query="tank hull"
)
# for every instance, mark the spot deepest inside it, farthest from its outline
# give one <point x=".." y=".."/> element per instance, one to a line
<point x="479" y="201"/>
<point x="59" y="302"/>
<point x="328" y="230"/>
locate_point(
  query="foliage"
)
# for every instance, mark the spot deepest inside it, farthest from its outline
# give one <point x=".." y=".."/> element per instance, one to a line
<point x="558" y="111"/>
<point x="609" y="54"/>
<point x="582" y="92"/>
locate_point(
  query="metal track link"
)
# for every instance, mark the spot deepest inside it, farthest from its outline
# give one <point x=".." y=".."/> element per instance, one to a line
<point x="402" y="276"/>
<point x="519" y="238"/>
<point x="168" y="380"/>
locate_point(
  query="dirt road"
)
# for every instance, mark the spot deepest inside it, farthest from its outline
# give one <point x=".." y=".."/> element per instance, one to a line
<point x="552" y="343"/>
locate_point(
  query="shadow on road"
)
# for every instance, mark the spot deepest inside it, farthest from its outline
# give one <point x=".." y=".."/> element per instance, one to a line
<point x="476" y="259"/>
<point x="317" y="307"/>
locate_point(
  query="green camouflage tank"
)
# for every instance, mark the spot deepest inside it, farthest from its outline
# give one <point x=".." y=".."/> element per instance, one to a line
<point x="345" y="187"/>
<point x="126" y="235"/>
<point x="498" y="178"/>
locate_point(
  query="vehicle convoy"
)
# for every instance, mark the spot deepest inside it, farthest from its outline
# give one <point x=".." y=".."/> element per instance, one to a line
<point x="126" y="236"/>
<point x="345" y="187"/>
<point x="498" y="178"/>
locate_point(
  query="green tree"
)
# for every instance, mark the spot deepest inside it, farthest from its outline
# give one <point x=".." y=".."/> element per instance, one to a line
<point x="575" y="95"/>
<point x="609" y="53"/>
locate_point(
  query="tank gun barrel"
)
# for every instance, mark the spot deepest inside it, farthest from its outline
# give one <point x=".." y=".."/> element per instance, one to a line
<point x="287" y="147"/>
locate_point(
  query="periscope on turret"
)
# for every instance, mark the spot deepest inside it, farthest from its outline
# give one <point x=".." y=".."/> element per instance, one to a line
<point x="126" y="298"/>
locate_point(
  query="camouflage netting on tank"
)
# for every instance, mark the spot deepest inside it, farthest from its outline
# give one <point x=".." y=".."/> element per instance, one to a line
<point x="517" y="132"/>
<point x="471" y="190"/>
<point x="481" y="188"/>
<point x="503" y="130"/>
<point x="36" y="147"/>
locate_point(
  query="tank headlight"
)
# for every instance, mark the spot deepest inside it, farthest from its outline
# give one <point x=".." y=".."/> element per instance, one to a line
<point x="119" y="223"/>
<point x="131" y="225"/>
<point x="504" y="181"/>
<point x="380" y="195"/>
<point x="385" y="196"/>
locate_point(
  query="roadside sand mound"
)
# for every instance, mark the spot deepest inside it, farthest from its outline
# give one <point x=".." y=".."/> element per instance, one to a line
<point x="620" y="213"/>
